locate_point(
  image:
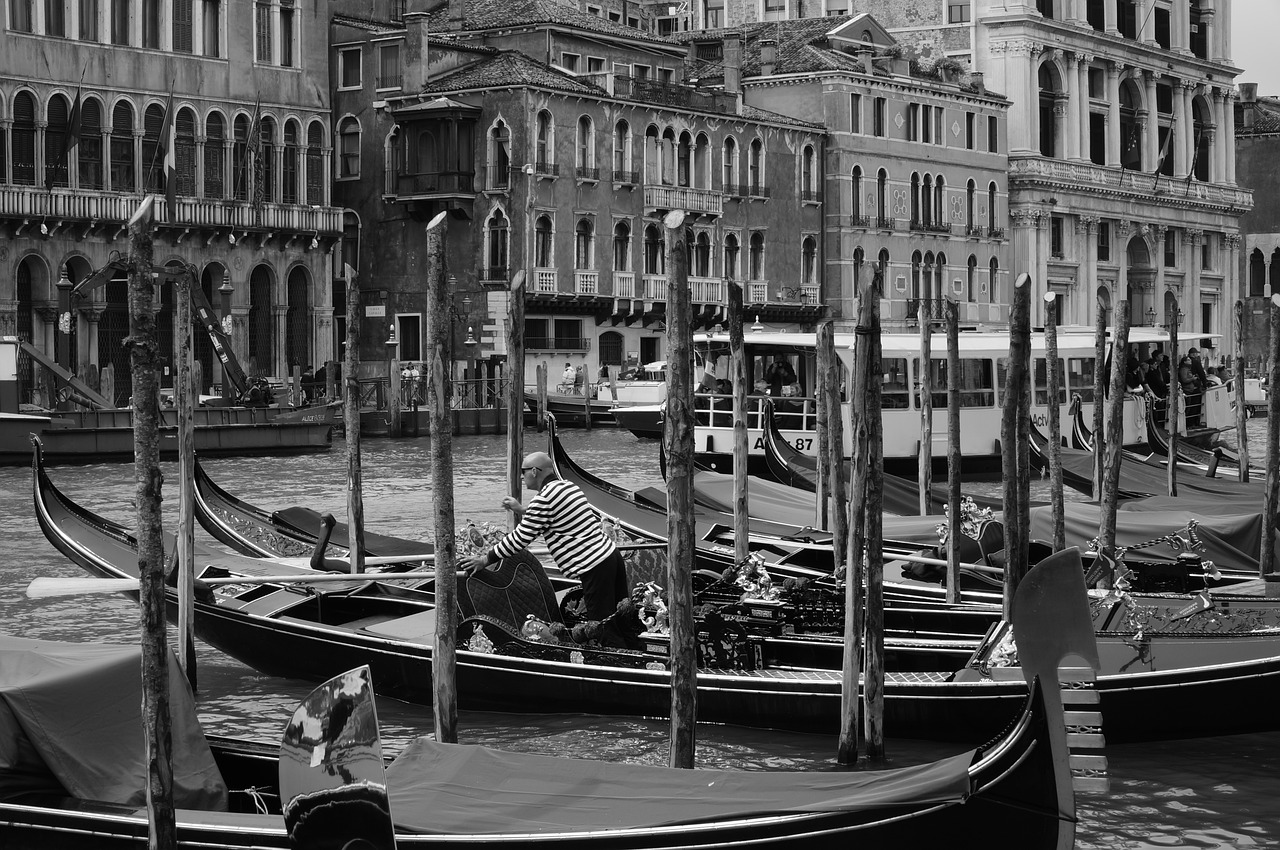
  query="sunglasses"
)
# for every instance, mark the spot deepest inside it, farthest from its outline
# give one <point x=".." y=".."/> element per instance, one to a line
<point x="529" y="469"/>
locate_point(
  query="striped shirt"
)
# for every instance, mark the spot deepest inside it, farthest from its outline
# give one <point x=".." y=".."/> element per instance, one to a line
<point x="566" y="520"/>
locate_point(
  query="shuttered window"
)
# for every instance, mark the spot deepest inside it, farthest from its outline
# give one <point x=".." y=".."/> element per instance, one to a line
<point x="214" y="140"/>
<point x="315" y="164"/>
<point x="123" y="170"/>
<point x="212" y="28"/>
<point x="24" y="139"/>
<point x="182" y="26"/>
<point x="288" y="34"/>
<point x="262" y="44"/>
<point x="240" y="159"/>
<point x="185" y="152"/>
<point x="89" y="151"/>
<point x="55" y="18"/>
<point x="119" y="21"/>
<point x="88" y="20"/>
<point x="289" y="173"/>
<point x="21" y="15"/>
<point x="152" y="163"/>
<point x="55" y="134"/>
<point x="151" y="24"/>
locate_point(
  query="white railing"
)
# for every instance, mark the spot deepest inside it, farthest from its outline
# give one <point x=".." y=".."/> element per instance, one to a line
<point x="586" y="282"/>
<point x="757" y="292"/>
<point x="544" y="280"/>
<point x="707" y="290"/>
<point x="1088" y="174"/>
<point x="685" y="198"/>
<point x="655" y="287"/>
<point x="624" y="284"/>
<point x="809" y="293"/>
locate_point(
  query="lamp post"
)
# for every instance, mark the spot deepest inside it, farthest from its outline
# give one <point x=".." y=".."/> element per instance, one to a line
<point x="65" y="321"/>
<point x="393" y="372"/>
<point x="224" y="298"/>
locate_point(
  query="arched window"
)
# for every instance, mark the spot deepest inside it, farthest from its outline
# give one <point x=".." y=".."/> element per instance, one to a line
<point x="292" y="163"/>
<point x="240" y="158"/>
<point x="809" y="261"/>
<point x="684" y="161"/>
<point x="184" y="151"/>
<point x="56" y="172"/>
<point x="153" y="166"/>
<point x="545" y="149"/>
<point x="992" y="191"/>
<point x="349" y="147"/>
<point x="297" y="342"/>
<point x="496" y="233"/>
<point x="315" y="164"/>
<point x="1257" y="274"/>
<point x="610" y="348"/>
<point x="702" y="255"/>
<point x="542" y="243"/>
<point x="939" y="198"/>
<point x="123" y="159"/>
<point x="622" y="247"/>
<point x="24" y="139"/>
<point x="971" y="280"/>
<point x="702" y="162"/>
<point x="260" y="323"/>
<point x="584" y="245"/>
<point x="915" y="199"/>
<point x="1130" y="137"/>
<point x="655" y="261"/>
<point x="1202" y="153"/>
<point x="970" y="191"/>
<point x="668" y="157"/>
<point x="585" y="149"/>
<point x="939" y="275"/>
<point x="926" y="200"/>
<point x="89" y="151"/>
<point x="1050" y="90"/>
<point x="993" y="271"/>
<point x="882" y="197"/>
<point x="214" y="156"/>
<point x="729" y="167"/>
<point x="622" y="153"/>
<point x="731" y="251"/>
<point x="855" y="197"/>
<point x="652" y="155"/>
<point x="807" y="176"/>
<point x="859" y="257"/>
<point x="267" y="186"/>
<point x="756" y="166"/>
<point x="756" y="271"/>
<point x="499" y="154"/>
<point x="916" y="283"/>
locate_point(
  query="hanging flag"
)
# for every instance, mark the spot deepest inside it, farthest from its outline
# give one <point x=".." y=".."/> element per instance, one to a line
<point x="255" y="151"/>
<point x="70" y="138"/>
<point x="1164" y="152"/>
<point x="1130" y="144"/>
<point x="1195" y="157"/>
<point x="168" y="158"/>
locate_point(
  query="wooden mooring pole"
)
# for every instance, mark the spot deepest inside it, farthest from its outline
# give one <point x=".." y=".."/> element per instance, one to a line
<point x="542" y="397"/>
<point x="1100" y="379"/>
<point x="144" y="360"/>
<point x="1055" y="420"/>
<point x="1242" y="409"/>
<point x="925" y="380"/>
<point x="1015" y="461"/>
<point x="825" y="351"/>
<point x="1114" y="437"/>
<point x="832" y="381"/>
<point x="184" y="391"/>
<point x="678" y="436"/>
<point x="741" y="451"/>
<point x="954" y="457"/>
<point x="351" y="424"/>
<point x="515" y="390"/>
<point x="1175" y="390"/>
<point x="395" y="423"/>
<point x="439" y="350"/>
<point x="1271" y="488"/>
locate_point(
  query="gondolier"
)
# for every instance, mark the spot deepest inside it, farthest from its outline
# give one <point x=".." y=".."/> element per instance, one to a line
<point x="571" y="527"/>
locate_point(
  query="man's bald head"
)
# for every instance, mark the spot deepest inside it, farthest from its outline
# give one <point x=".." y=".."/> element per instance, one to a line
<point x="536" y="470"/>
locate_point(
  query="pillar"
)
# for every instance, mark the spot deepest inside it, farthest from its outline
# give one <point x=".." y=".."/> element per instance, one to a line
<point x="1158" y="231"/>
<point x="1087" y="279"/>
<point x="1075" y="97"/>
<point x="1229" y="134"/>
<point x="1031" y="74"/>
<point x="1151" y="124"/>
<point x="1220" y="139"/>
<point x="1082" y="118"/>
<point x="279" y="315"/>
<point x="1109" y="17"/>
<point x="1194" y="239"/>
<point x="1181" y="128"/>
<point x="1113" y="107"/>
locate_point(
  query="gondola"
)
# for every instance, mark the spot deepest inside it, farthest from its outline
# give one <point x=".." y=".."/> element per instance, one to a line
<point x="1014" y="792"/>
<point x="1221" y="459"/>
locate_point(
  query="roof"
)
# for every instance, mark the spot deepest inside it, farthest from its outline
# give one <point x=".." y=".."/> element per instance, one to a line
<point x="1266" y="118"/>
<point x="366" y="24"/>
<point x="509" y="68"/>
<point x="496" y="14"/>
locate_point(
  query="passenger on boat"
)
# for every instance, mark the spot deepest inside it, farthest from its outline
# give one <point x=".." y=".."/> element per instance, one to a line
<point x="561" y="514"/>
<point x="567" y="377"/>
<point x="1191" y="388"/>
<point x="781" y="377"/>
<point x="1154" y="380"/>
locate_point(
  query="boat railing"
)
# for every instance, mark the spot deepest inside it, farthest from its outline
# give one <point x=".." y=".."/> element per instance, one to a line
<point x="467" y="394"/>
<point x="791" y="413"/>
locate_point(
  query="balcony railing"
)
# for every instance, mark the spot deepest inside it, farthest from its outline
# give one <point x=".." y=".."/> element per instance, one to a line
<point x="758" y="191"/>
<point x="547" y="169"/>
<point x="809" y="195"/>
<point x="627" y="178"/>
<point x="934" y="308"/>
<point x="389" y="81"/>
<point x="559" y="343"/>
<point x="436" y="183"/>
<point x="586" y="282"/>
<point x="585" y="173"/>
<point x="544" y="280"/>
<point x="975" y="230"/>
<point x="624" y="284"/>
<point x="707" y="290"/>
<point x="886" y="223"/>
<point x="655" y="287"/>
<point x="996" y="233"/>
<point x="859" y="221"/>
<point x="113" y="208"/>
<point x="494" y="273"/>
<point x="809" y="293"/>
<point x="758" y="292"/>
<point x="687" y="198"/>
<point x="497" y="178"/>
<point x="735" y="190"/>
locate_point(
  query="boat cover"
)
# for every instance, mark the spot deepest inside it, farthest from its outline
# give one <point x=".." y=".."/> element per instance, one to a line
<point x="1231" y="541"/>
<point x="71" y="723"/>
<point x="452" y="788"/>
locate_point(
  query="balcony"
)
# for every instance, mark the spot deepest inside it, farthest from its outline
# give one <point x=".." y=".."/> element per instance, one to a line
<point x="497" y="179"/>
<point x="1045" y="173"/>
<point x="863" y="221"/>
<point x="494" y="273"/>
<point x="758" y="191"/>
<point x="105" y="209"/>
<point x="707" y="290"/>
<point x="585" y="173"/>
<point x="934" y="309"/>
<point x="544" y="280"/>
<point x="757" y="292"/>
<point x="975" y="230"/>
<point x="547" y="169"/>
<point x="626" y="178"/>
<point x="657" y="93"/>
<point x="702" y="201"/>
<point x="804" y="294"/>
<point x="559" y="343"/>
<point x="434" y="184"/>
<point x="586" y="282"/>
<point x="389" y="81"/>
<point x="813" y="196"/>
<point x="655" y="287"/>
<point x="996" y="233"/>
<point x="624" y="284"/>
<point x="886" y="223"/>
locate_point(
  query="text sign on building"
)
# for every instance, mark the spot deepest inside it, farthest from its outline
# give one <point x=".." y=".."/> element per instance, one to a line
<point x="375" y="311"/>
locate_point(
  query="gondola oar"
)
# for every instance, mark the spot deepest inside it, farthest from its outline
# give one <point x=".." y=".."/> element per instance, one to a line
<point x="50" y="586"/>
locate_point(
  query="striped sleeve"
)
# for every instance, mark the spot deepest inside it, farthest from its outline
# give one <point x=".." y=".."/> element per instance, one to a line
<point x="568" y="523"/>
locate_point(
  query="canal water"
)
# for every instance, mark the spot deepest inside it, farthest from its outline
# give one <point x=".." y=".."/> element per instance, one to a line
<point x="1203" y="793"/>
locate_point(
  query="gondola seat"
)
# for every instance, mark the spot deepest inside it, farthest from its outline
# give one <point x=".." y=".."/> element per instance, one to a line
<point x="991" y="539"/>
<point x="415" y="628"/>
<point x="517" y="588"/>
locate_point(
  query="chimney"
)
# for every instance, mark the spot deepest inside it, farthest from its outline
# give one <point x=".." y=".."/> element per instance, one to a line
<point x="979" y="81"/>
<point x="768" y="56"/>
<point x="732" y="60"/>
<point x="415" y="51"/>
<point x="1248" y="105"/>
<point x="457" y="14"/>
<point x="864" y="56"/>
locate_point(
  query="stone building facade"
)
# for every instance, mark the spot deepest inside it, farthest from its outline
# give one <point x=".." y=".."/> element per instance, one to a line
<point x="252" y="143"/>
<point x="1257" y="144"/>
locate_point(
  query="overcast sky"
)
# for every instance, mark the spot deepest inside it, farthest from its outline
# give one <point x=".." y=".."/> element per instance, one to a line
<point x="1255" y="28"/>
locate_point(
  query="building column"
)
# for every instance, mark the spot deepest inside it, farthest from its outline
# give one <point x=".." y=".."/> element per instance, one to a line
<point x="198" y="176"/>
<point x="1229" y="134"/>
<point x="1207" y="15"/>
<point x="91" y="318"/>
<point x="1087" y="279"/>
<point x="1221" y="45"/>
<point x="1182" y="26"/>
<point x="279" y="352"/>
<point x="1158" y="231"/>
<point x="1075" y="97"/>
<point x="1182" y="122"/>
<point x="1032" y="76"/>
<point x="1113" y="107"/>
<point x="1120" y="251"/>
<point x="1146" y="21"/>
<point x="1082" y="117"/>
<point x="1043" y="251"/>
<point x="1220" y="139"/>
<point x="1109" y="17"/>
<point x="1025" y="253"/>
<point x="1151" y="124"/>
<point x="1193" y="239"/>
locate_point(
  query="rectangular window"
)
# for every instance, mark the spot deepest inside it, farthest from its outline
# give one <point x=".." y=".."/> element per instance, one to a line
<point x="640" y="72"/>
<point x="958" y="12"/>
<point x="55" y="18"/>
<point x="1162" y="27"/>
<point x="665" y="75"/>
<point x="1206" y="251"/>
<point x="119" y="21"/>
<point x="877" y="117"/>
<point x="288" y="34"/>
<point x="151" y="24"/>
<point x="569" y="61"/>
<point x="1041" y="381"/>
<point x="212" y="28"/>
<point x="535" y="334"/>
<point x="595" y="65"/>
<point x="974" y="382"/>
<point x="349" y="68"/>
<point x="389" y="66"/>
<point x="1055" y="237"/>
<point x="1098" y="138"/>
<point x="182" y="26"/>
<point x="993" y="134"/>
<point x="1170" y="248"/>
<point x="409" y="334"/>
<point x="1104" y="242"/>
<point x="88" y="20"/>
<point x="1080" y="378"/>
<point x="855" y="113"/>
<point x="262" y="42"/>
<point x="1097" y="83"/>
<point x="569" y="333"/>
<point x="970" y="131"/>
<point x="21" y="15"/>
<point x="633" y="22"/>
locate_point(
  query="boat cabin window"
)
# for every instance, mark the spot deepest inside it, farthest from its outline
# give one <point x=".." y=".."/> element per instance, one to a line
<point x="974" y="382"/>
<point x="1041" y="367"/>
<point x="1080" y="378"/>
<point x="893" y="392"/>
